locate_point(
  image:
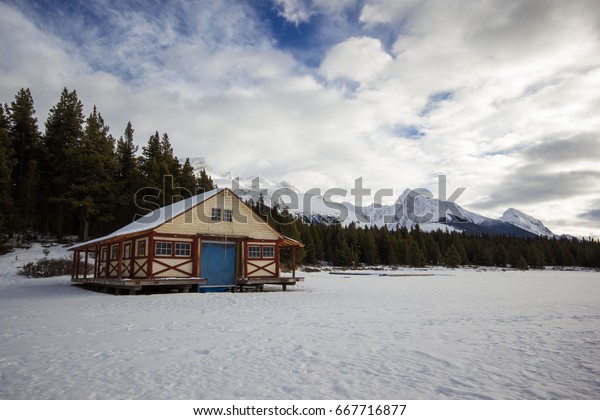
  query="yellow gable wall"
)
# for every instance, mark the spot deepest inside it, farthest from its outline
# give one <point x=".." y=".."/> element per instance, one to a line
<point x="198" y="220"/>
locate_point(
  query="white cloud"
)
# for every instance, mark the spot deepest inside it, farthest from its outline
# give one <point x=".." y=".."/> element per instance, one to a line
<point x="295" y="11"/>
<point x="301" y="11"/>
<point x="359" y="59"/>
<point x="387" y="11"/>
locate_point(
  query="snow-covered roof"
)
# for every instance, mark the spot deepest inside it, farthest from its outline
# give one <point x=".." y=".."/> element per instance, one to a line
<point x="155" y="218"/>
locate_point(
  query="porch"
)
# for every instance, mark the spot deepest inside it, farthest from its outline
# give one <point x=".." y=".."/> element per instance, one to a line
<point x="257" y="283"/>
<point x="135" y="286"/>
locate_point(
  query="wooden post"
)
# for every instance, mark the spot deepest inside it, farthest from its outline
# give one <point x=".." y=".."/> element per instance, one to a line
<point x="132" y="255"/>
<point x="73" y="265"/>
<point x="85" y="265"/>
<point x="293" y="262"/>
<point x="97" y="262"/>
<point x="195" y="264"/>
<point x="77" y="266"/>
<point x="107" y="262"/>
<point x="150" y="253"/>
<point x="244" y="255"/>
<point x="120" y="261"/>
<point x="277" y="258"/>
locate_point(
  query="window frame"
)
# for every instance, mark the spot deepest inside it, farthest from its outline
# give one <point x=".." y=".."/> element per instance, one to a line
<point x="269" y="257"/>
<point x="215" y="214"/>
<point x="158" y="247"/>
<point x="178" y="248"/>
<point x="141" y="244"/>
<point x="252" y="254"/>
<point x="114" y="252"/>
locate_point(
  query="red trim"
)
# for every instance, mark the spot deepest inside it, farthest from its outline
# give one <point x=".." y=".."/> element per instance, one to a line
<point x="132" y="257"/>
<point x="195" y="265"/>
<point x="96" y="261"/>
<point x="160" y="235"/>
<point x="85" y="264"/>
<point x="244" y="257"/>
<point x="150" y="252"/>
<point x="120" y="260"/>
<point x="277" y="258"/>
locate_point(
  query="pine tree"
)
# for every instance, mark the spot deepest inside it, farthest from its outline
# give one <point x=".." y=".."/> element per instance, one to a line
<point x="204" y="182"/>
<point x="7" y="162"/>
<point x="384" y="246"/>
<point x="91" y="192"/>
<point x="151" y="162"/>
<point x="369" y="254"/>
<point x="172" y="176"/>
<point x="172" y="163"/>
<point x="342" y="254"/>
<point x="156" y="169"/>
<point x="433" y="254"/>
<point x="307" y="239"/>
<point x="27" y="147"/>
<point x="521" y="263"/>
<point x="452" y="257"/>
<point x="129" y="178"/>
<point x="187" y="180"/>
<point x="535" y="257"/>
<point x="63" y="133"/>
<point x="414" y="254"/>
<point x="501" y="256"/>
<point x="316" y="232"/>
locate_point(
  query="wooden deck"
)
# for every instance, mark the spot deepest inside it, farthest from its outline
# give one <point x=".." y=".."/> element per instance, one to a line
<point x="258" y="283"/>
<point x="133" y="286"/>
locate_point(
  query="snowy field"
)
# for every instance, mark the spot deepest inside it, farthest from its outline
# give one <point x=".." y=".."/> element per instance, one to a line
<point x="459" y="334"/>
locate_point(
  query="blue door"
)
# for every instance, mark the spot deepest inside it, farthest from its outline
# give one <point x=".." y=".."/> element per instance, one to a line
<point x="217" y="264"/>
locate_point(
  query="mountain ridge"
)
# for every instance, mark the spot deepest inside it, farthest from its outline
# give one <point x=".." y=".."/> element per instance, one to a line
<point x="411" y="207"/>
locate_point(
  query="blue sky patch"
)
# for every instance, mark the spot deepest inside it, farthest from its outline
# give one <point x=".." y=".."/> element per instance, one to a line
<point x="435" y="100"/>
<point x="407" y="131"/>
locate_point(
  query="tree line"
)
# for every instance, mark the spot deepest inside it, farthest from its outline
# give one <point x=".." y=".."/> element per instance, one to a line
<point x="353" y="246"/>
<point x="75" y="178"/>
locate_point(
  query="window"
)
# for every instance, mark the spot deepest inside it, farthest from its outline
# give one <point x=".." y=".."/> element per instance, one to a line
<point x="141" y="249"/>
<point x="183" y="249"/>
<point x="127" y="251"/>
<point x="227" y="216"/>
<point x="268" y="252"/>
<point x="215" y="214"/>
<point x="164" y="248"/>
<point x="103" y="255"/>
<point x="114" y="252"/>
<point x="253" y="251"/>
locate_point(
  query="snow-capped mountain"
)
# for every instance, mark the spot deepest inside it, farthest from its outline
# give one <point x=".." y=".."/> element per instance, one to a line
<point x="412" y="207"/>
<point x="524" y="221"/>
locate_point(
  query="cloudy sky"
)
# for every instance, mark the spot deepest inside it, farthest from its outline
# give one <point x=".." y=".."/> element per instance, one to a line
<point x="502" y="96"/>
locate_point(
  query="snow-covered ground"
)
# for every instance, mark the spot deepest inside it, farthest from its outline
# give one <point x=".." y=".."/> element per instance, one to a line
<point x="459" y="334"/>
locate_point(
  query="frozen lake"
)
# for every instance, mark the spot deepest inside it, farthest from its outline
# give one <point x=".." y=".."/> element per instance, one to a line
<point x="460" y="334"/>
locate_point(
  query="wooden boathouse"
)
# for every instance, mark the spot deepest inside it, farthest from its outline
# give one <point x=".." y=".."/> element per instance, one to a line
<point x="211" y="240"/>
